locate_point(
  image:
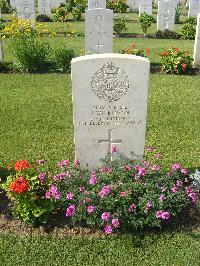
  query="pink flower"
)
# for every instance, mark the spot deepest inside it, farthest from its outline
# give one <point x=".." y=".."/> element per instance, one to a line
<point x="184" y="171"/>
<point x="146" y="164"/>
<point x="158" y="155"/>
<point x="188" y="189"/>
<point x="41" y="177"/>
<point x="47" y="195"/>
<point x="132" y="208"/>
<point x="165" y="215"/>
<point x="176" y="167"/>
<point x="91" y="209"/>
<point x="81" y="189"/>
<point x="70" y="211"/>
<point x="155" y="167"/>
<point x="141" y="172"/>
<point x="187" y="180"/>
<point x="104" y="191"/>
<point x="159" y="214"/>
<point x="106" y="170"/>
<point x="93" y="180"/>
<point x="162" y="197"/>
<point x="192" y="196"/>
<point x="76" y="163"/>
<point x="149" y="148"/>
<point x="42" y="161"/>
<point x="174" y="189"/>
<point x="63" y="163"/>
<point x="108" y="229"/>
<point x="179" y="183"/>
<point x="127" y="168"/>
<point x="105" y="216"/>
<point x="113" y="149"/>
<point x="115" y="223"/>
<point x="69" y="196"/>
<point x="164" y="189"/>
<point x="149" y="205"/>
<point x="122" y="194"/>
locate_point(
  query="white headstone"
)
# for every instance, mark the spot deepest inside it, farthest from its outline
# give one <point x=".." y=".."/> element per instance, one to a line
<point x="166" y="15"/>
<point x="93" y="4"/>
<point x="197" y="43"/>
<point x="194" y="8"/>
<point x="0" y="13"/>
<point x="13" y="3"/>
<point x="98" y="31"/>
<point x="44" y="7"/>
<point x="145" y="6"/>
<point x="1" y="51"/>
<point x="110" y="94"/>
<point x="26" y="9"/>
<point x="55" y="3"/>
<point x="133" y="5"/>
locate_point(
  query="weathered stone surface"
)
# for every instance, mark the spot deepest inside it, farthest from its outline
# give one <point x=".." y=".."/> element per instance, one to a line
<point x="166" y="15"/>
<point x="145" y="6"/>
<point x="44" y="7"/>
<point x="197" y="43"/>
<point x="93" y="4"/>
<point x="110" y="94"/>
<point x="26" y="9"/>
<point x="194" y="8"/>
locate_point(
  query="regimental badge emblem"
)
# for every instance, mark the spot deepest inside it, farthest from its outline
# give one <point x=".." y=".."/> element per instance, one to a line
<point x="110" y="83"/>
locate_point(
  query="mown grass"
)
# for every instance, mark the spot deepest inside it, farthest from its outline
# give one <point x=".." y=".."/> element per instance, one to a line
<point x="178" y="249"/>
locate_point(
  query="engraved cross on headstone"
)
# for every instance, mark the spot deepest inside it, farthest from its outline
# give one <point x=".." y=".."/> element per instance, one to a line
<point x="98" y="45"/>
<point x="110" y="142"/>
<point x="167" y="17"/>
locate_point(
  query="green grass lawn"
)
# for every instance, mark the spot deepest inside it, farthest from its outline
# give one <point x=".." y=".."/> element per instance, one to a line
<point x="36" y="122"/>
<point x="164" y="249"/>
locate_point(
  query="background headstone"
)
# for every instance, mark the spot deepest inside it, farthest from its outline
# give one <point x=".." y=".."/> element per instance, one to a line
<point x="55" y="3"/>
<point x="110" y="94"/>
<point x="26" y="9"/>
<point x="13" y="3"/>
<point x="194" y="8"/>
<point x="98" y="31"/>
<point x="133" y="5"/>
<point x="145" y="6"/>
<point x="44" y="7"/>
<point x="1" y="50"/>
<point x="166" y="15"/>
<point x="93" y="4"/>
<point x="197" y="43"/>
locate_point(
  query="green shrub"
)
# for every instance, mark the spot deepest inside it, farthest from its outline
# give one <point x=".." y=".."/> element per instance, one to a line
<point x="118" y="6"/>
<point x="188" y="31"/>
<point x="43" y="18"/>
<point x="167" y="34"/>
<point x="191" y="20"/>
<point x="77" y="14"/>
<point x="5" y="8"/>
<point x="31" y="54"/>
<point x="145" y="21"/>
<point x="60" y="15"/>
<point x="62" y="59"/>
<point x="177" y="15"/>
<point x="119" y="25"/>
<point x="177" y="61"/>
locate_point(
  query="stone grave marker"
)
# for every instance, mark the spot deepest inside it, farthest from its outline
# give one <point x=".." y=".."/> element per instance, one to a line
<point x="55" y="3"/>
<point x="98" y="30"/>
<point x="26" y="9"/>
<point x="13" y="3"/>
<point x="93" y="4"/>
<point x="133" y="5"/>
<point x="44" y="7"/>
<point x="194" y="8"/>
<point x="145" y="6"/>
<point x="197" y="43"/>
<point x="110" y="94"/>
<point x="166" y="15"/>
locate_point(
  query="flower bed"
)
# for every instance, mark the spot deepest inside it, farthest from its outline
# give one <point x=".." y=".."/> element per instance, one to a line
<point x="119" y="196"/>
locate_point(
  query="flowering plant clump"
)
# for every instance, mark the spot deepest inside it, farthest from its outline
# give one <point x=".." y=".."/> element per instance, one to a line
<point x="134" y="51"/>
<point x="23" y="28"/>
<point x="119" y="196"/>
<point x="177" y="61"/>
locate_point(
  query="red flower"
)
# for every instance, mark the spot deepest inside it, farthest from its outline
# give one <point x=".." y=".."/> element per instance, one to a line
<point x="19" y="186"/>
<point x="148" y="50"/>
<point x="164" y="53"/>
<point x="176" y="49"/>
<point x="184" y="67"/>
<point x="21" y="165"/>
